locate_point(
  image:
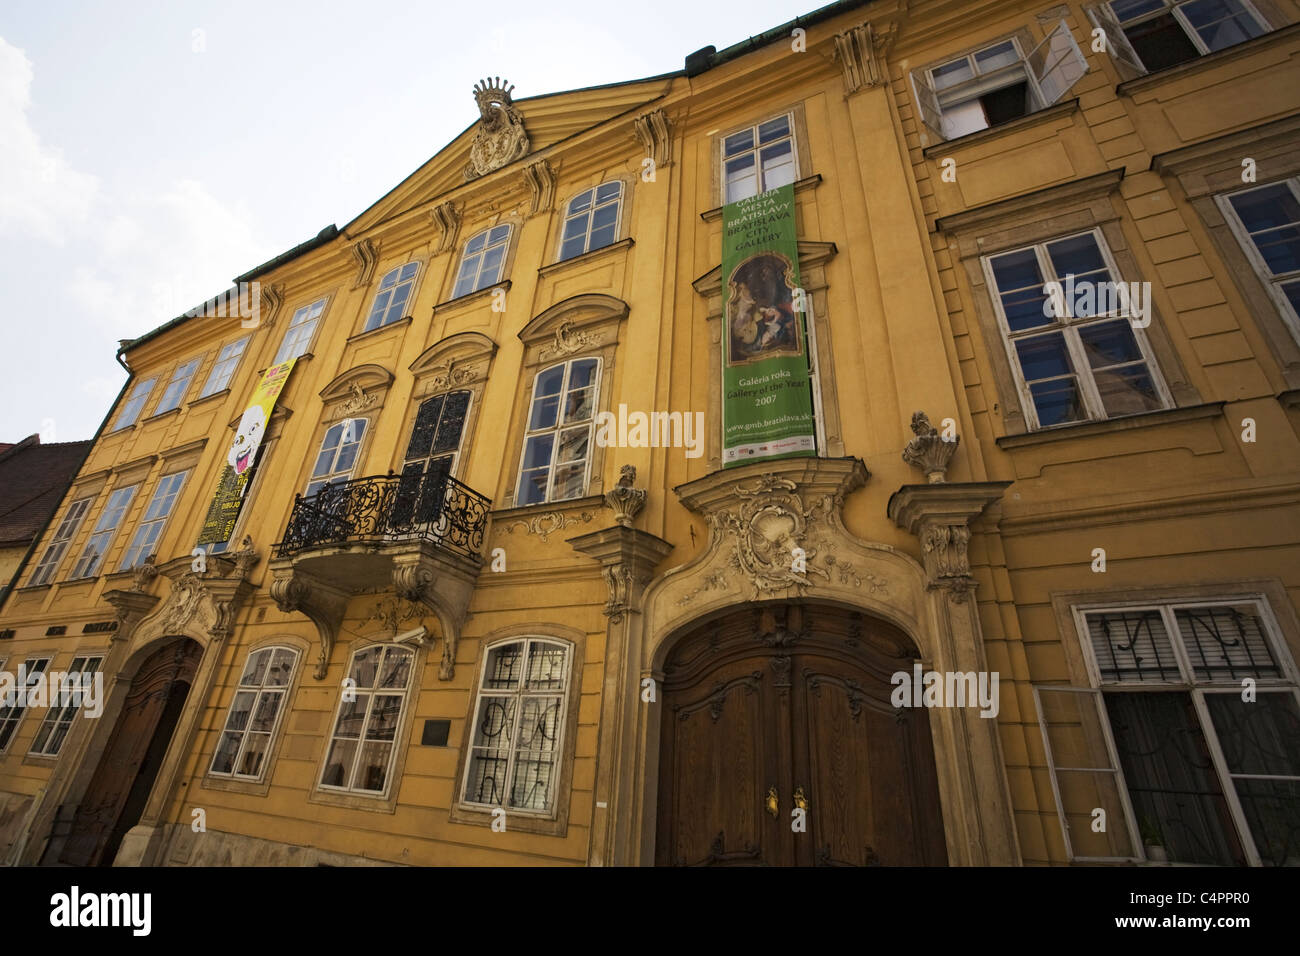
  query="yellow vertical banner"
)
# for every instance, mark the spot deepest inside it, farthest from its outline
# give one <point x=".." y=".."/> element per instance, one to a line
<point x="241" y="457"/>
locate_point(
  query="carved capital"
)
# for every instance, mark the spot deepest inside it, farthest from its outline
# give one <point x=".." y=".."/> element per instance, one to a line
<point x="655" y="134"/>
<point x="861" y="55"/>
<point x="131" y="607"/>
<point x="625" y="501"/>
<point x="939" y="515"/>
<point x="293" y="590"/>
<point x="628" y="558"/>
<point x="446" y="220"/>
<point x="929" y="451"/>
<point x="541" y="186"/>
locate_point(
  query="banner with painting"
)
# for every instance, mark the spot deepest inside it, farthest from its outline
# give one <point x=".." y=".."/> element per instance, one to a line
<point x="767" y="406"/>
<point x="241" y="457"/>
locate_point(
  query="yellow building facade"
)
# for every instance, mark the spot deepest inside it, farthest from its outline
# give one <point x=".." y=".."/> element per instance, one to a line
<point x="449" y="625"/>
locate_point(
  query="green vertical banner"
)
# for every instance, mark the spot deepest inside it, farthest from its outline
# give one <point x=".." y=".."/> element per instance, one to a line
<point x="767" y="408"/>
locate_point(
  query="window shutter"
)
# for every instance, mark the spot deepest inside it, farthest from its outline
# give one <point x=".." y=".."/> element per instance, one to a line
<point x="1057" y="64"/>
<point x="1085" y="775"/>
<point x="928" y="101"/>
<point x="1117" y="45"/>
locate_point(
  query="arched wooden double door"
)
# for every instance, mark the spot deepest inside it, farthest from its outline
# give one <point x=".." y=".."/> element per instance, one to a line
<point x="788" y="706"/>
<point x="125" y="775"/>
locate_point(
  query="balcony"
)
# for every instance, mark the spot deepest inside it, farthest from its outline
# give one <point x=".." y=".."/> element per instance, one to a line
<point x="417" y="535"/>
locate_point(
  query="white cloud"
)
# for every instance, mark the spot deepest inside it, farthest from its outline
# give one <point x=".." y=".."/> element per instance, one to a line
<point x="40" y="194"/>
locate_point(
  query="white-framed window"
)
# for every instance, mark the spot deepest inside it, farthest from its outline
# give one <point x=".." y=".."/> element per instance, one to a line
<point x="997" y="83"/>
<point x="483" y="261"/>
<point x="175" y="391"/>
<point x="1151" y="35"/>
<point x="558" y="440"/>
<point x="1189" y="737"/>
<point x="1091" y="363"/>
<point x="223" y="370"/>
<point x="392" y="297"/>
<point x="255" y="712"/>
<point x="67" y="530"/>
<point x="92" y="556"/>
<point x="591" y="219"/>
<point x="1266" y="221"/>
<point x="58" y="719"/>
<point x="337" y="458"/>
<point x="517" y="739"/>
<point x="134" y="403"/>
<point x="13" y="708"/>
<point x="362" y="745"/>
<point x="150" y="529"/>
<point x="759" y="158"/>
<point x="301" y="330"/>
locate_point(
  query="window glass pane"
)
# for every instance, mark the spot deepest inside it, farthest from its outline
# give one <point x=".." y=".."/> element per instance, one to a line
<point x="544" y="411"/>
<point x="1171" y="779"/>
<point x="1131" y="9"/>
<point x="339" y="763"/>
<point x="240" y="708"/>
<point x="1226" y="642"/>
<point x="546" y="666"/>
<point x="582" y="201"/>
<point x="774" y="129"/>
<point x="601" y="237"/>
<point x="477" y="243"/>
<point x="1075" y="255"/>
<point x="738" y="142"/>
<point x="1221" y="23"/>
<point x="1109" y="343"/>
<point x="1127" y="390"/>
<point x="365" y="666"/>
<point x="281" y="668"/>
<point x="573" y="444"/>
<point x="492" y="261"/>
<point x="537" y="452"/>
<point x="1057" y="402"/>
<point x="1266" y="207"/>
<point x="268" y="704"/>
<point x="608" y="191"/>
<point x="1020" y="284"/>
<point x="570" y="481"/>
<point x="397" y="669"/>
<point x="1044" y="356"/>
<point x="574" y="247"/>
<point x="227" y="747"/>
<point x="950" y="74"/>
<point x="996" y="57"/>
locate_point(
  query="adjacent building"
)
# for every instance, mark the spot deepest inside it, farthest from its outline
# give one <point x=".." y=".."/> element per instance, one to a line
<point x="369" y="578"/>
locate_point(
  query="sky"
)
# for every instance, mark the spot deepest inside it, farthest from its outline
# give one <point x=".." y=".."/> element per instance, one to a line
<point x="152" y="151"/>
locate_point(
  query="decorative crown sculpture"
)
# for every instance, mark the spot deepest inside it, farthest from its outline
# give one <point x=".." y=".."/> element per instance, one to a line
<point x="501" y="138"/>
<point x="625" y="501"/>
<point x="929" y="451"/>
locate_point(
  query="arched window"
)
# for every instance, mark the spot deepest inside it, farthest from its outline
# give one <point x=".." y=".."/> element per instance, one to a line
<point x="483" y="261"/>
<point x="557" y="442"/>
<point x="370" y="712"/>
<point x="392" y="297"/>
<point x="518" y="731"/>
<point x="255" y="713"/>
<point x="338" y="454"/>
<point x="591" y="220"/>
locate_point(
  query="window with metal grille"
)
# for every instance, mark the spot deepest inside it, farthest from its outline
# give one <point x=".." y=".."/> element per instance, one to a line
<point x="517" y="736"/>
<point x="431" y="455"/>
<point x="254" y="715"/>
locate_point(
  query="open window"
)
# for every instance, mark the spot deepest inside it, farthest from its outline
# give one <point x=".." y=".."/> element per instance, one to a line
<point x="1152" y="35"/>
<point x="997" y="83"/>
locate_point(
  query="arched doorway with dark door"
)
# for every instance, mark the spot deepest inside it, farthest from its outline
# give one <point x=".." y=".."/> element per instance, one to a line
<point x="128" y="767"/>
<point x="785" y="707"/>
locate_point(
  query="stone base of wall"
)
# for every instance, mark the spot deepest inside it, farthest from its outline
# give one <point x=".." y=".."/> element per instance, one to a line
<point x="183" y="847"/>
<point x="14" y="808"/>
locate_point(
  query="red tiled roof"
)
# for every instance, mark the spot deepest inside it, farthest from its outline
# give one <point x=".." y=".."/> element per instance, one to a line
<point x="33" y="478"/>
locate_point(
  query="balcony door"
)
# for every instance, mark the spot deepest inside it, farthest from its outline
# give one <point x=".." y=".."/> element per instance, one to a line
<point x="430" y="459"/>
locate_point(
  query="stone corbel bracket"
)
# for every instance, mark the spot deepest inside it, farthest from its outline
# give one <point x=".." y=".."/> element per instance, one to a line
<point x="272" y="299"/>
<point x="939" y="515"/>
<point x="442" y="583"/>
<point x="366" y="254"/>
<point x="541" y="186"/>
<point x="628" y="558"/>
<point x="132" y="607"/>
<point x="295" y="590"/>
<point x="861" y="54"/>
<point x="446" y="219"/>
<point x="655" y="134"/>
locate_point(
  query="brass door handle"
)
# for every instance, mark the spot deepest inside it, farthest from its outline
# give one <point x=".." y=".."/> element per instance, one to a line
<point x="772" y="803"/>
<point x="800" y="800"/>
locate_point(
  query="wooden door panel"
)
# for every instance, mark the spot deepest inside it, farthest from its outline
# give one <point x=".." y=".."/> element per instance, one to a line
<point x="720" y="754"/>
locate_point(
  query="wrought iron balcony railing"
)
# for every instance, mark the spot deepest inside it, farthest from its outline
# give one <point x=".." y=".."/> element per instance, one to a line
<point x="380" y="509"/>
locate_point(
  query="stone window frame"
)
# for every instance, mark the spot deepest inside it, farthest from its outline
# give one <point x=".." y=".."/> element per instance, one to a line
<point x="555" y="823"/>
<point x="1282" y="626"/>
<point x="372" y="287"/>
<point x="1207" y="171"/>
<point x="1087" y="383"/>
<point x="459" y="362"/>
<point x="583" y="326"/>
<point x="803" y="164"/>
<point x="813" y="260"/>
<point x="623" y="232"/>
<point x="262" y="785"/>
<point x="511" y="218"/>
<point x="1050" y="213"/>
<point x="97" y="653"/>
<point x="377" y="803"/>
